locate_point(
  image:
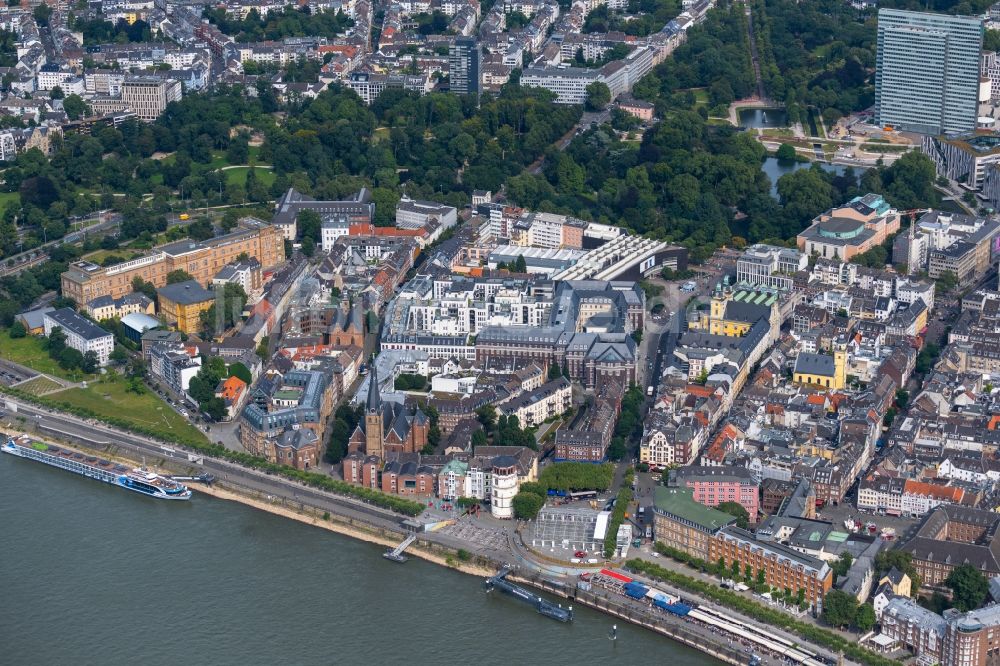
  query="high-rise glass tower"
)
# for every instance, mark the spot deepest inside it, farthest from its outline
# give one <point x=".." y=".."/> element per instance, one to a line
<point x="927" y="71"/>
<point x="464" y="66"/>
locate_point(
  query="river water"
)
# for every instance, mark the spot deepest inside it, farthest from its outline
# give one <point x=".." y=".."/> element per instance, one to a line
<point x="93" y="574"/>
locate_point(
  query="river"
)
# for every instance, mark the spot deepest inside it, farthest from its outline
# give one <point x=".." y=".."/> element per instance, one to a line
<point x="97" y="575"/>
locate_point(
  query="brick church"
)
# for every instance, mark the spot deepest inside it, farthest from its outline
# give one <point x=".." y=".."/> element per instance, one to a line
<point x="388" y="427"/>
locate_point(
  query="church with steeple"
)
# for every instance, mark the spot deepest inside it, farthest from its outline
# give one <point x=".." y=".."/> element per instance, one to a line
<point x="388" y="427"/>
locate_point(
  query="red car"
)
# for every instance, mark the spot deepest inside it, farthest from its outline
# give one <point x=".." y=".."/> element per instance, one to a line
<point x="579" y="553"/>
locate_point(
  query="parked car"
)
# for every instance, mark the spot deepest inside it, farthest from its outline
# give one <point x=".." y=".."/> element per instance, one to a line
<point x="579" y="553"/>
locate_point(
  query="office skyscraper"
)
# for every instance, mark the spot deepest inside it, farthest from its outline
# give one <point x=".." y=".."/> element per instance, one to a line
<point x="464" y="71"/>
<point x="927" y="71"/>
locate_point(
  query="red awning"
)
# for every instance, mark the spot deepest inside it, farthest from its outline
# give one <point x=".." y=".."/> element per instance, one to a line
<point x="614" y="574"/>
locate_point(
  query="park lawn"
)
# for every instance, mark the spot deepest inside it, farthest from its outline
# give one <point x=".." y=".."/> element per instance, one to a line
<point x="9" y="197"/>
<point x="218" y="161"/>
<point x="110" y="399"/>
<point x="28" y="351"/>
<point x="239" y="175"/>
<point x="219" y="158"/>
<point x="700" y="95"/>
<point x="822" y="51"/>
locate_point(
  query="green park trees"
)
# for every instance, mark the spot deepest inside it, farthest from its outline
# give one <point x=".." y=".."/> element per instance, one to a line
<point x="969" y="587"/>
<point x="839" y="608"/>
<point x="571" y="476"/>
<point x="202" y="387"/>
<point x="75" y="107"/>
<point x="526" y="505"/>
<point x="842" y="564"/>
<point x="225" y="311"/>
<point x="289" y="22"/>
<point x="864" y="618"/>
<point x="786" y="152"/>
<point x="173" y="277"/>
<point x="598" y="96"/>
<point x="345" y="421"/>
<point x="736" y="509"/>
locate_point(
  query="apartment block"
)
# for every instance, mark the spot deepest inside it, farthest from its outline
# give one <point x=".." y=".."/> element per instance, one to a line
<point x="174" y="364"/>
<point x="82" y="334"/>
<point x="533" y="407"/>
<point x="105" y="307"/>
<point x="148" y="97"/>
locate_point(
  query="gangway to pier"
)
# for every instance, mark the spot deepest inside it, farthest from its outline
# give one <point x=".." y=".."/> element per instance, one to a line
<point x="396" y="555"/>
<point x="207" y="479"/>
<point x="549" y="609"/>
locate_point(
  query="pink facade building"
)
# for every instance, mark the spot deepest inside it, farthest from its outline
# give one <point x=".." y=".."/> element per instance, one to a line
<point x="714" y="485"/>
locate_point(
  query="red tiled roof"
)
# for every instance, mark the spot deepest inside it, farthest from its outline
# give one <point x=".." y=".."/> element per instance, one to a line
<point x="944" y="493"/>
<point x="232" y="388"/>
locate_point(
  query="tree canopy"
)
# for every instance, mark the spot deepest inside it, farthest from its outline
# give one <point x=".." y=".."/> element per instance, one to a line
<point x="890" y="559"/>
<point x="736" y="509"/>
<point x="598" y="96"/>
<point x="173" y="277"/>
<point x="839" y="608"/>
<point x="969" y="587"/>
<point x="527" y="505"/>
<point x="572" y="476"/>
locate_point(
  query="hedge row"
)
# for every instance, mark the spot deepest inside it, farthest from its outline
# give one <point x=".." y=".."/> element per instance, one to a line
<point x="765" y="614"/>
<point x="715" y="569"/>
<point x="618" y="515"/>
<point x="314" y="479"/>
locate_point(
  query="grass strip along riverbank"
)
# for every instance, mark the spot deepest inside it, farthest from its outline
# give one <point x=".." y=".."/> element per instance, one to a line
<point x="760" y="612"/>
<point x="313" y="479"/>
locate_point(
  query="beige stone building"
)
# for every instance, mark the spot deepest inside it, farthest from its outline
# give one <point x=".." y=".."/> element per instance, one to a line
<point x="84" y="281"/>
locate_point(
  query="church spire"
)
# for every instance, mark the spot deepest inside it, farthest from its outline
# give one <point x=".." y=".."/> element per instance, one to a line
<point x="374" y="397"/>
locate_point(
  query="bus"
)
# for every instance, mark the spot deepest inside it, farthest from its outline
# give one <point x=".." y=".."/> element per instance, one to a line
<point x="583" y="495"/>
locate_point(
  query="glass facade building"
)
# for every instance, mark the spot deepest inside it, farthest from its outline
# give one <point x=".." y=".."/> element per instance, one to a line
<point x="464" y="66"/>
<point x="927" y="71"/>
